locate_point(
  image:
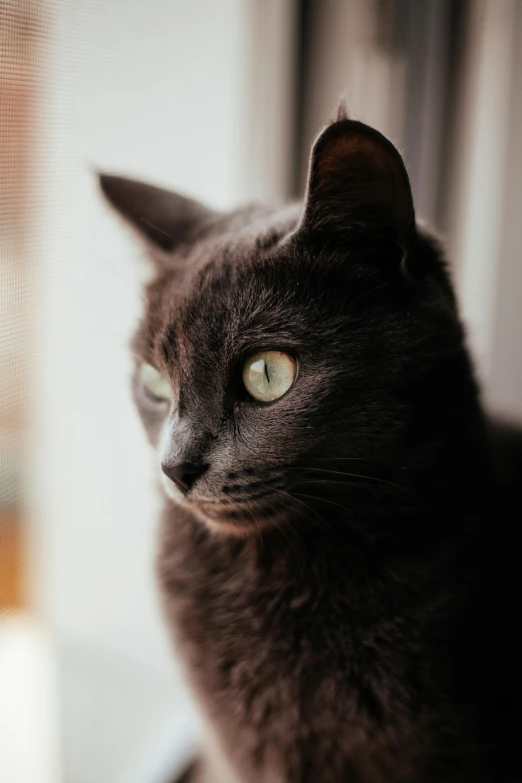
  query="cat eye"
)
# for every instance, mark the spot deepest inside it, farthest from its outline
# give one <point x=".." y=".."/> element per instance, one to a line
<point x="268" y="375"/>
<point x="154" y="384"/>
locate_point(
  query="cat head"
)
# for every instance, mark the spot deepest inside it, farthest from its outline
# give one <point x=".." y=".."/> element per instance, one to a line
<point x="282" y="351"/>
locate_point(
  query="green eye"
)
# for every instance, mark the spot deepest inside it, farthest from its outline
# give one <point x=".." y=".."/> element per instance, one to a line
<point x="154" y="384"/>
<point x="268" y="375"/>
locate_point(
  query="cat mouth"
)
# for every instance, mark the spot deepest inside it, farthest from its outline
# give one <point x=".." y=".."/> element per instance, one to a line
<point x="238" y="519"/>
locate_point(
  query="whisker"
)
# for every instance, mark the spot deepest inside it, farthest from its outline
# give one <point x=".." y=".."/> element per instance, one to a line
<point x="281" y="528"/>
<point x="387" y="488"/>
<point x="334" y="503"/>
<point x="258" y="528"/>
<point x="317" y="518"/>
<point x="303" y="547"/>
<point x="291" y="497"/>
<point x="349" y="459"/>
<point x="350" y="475"/>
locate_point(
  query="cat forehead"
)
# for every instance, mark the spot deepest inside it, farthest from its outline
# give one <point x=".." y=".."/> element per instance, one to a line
<point x="239" y="283"/>
<point x="234" y="294"/>
<point x="235" y="271"/>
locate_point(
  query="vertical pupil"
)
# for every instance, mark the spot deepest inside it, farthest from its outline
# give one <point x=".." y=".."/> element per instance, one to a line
<point x="266" y="372"/>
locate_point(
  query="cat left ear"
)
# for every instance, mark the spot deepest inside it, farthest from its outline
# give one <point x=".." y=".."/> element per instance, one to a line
<point x="357" y="179"/>
<point x="164" y="219"/>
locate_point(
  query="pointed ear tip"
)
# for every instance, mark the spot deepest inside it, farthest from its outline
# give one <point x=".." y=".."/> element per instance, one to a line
<point x="116" y="189"/>
<point x="345" y="137"/>
<point x="342" y="111"/>
<point x="343" y="125"/>
<point x="107" y="181"/>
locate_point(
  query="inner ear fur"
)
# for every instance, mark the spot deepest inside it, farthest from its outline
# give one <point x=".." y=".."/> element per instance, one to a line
<point x="357" y="178"/>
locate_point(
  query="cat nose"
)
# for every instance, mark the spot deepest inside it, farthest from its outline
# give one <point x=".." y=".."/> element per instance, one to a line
<point x="184" y="475"/>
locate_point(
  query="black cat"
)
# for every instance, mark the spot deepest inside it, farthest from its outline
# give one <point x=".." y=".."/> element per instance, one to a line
<point x="340" y="545"/>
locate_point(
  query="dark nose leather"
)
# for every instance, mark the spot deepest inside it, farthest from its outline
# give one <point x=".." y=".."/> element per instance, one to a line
<point x="183" y="475"/>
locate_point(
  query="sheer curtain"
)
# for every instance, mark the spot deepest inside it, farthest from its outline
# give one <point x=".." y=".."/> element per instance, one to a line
<point x="171" y="92"/>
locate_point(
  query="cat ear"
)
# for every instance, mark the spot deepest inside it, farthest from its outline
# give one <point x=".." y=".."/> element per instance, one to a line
<point x="163" y="218"/>
<point x="357" y="179"/>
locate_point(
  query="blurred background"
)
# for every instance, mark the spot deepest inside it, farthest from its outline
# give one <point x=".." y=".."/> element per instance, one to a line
<point x="221" y="100"/>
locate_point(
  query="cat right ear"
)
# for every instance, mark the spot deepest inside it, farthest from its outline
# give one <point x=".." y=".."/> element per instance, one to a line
<point x="357" y="180"/>
<point x="163" y="219"/>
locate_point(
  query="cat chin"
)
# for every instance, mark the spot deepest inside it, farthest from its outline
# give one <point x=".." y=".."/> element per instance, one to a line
<point x="222" y="526"/>
<point x="208" y="513"/>
<point x="219" y="524"/>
